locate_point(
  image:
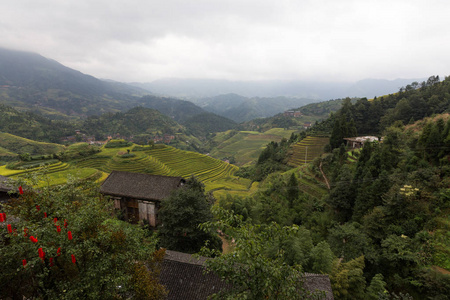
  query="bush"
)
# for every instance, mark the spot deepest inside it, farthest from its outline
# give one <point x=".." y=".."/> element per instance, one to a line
<point x="118" y="144"/>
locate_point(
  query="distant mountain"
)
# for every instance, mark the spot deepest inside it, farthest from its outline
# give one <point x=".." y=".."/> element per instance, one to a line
<point x="138" y="120"/>
<point x="202" y="124"/>
<point x="310" y="113"/>
<point x="32" y="82"/>
<point x="194" y="89"/>
<point x="241" y="109"/>
<point x="179" y="110"/>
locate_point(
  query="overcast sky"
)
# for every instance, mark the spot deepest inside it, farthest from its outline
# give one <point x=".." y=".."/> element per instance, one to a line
<point x="144" y="40"/>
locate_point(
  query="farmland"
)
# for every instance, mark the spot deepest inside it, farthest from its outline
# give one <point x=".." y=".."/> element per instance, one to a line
<point x="245" y="146"/>
<point x="306" y="150"/>
<point x="159" y="160"/>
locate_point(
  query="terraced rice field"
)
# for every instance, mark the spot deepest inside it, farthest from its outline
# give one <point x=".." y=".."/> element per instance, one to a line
<point x="309" y="185"/>
<point x="245" y="146"/>
<point x="215" y="174"/>
<point x="169" y="161"/>
<point x="306" y="150"/>
<point x="53" y="168"/>
<point x="186" y="163"/>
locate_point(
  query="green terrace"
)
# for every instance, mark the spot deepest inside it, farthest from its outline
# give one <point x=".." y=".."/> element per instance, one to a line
<point x="307" y="150"/>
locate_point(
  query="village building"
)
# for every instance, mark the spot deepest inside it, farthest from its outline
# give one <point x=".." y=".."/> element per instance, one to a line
<point x="138" y="196"/>
<point x="307" y="125"/>
<point x="185" y="278"/>
<point x="292" y="113"/>
<point x="358" y="142"/>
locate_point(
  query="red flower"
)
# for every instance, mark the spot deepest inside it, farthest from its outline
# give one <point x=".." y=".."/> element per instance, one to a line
<point x="9" y="228"/>
<point x="2" y="218"/>
<point x="38" y="207"/>
<point x="65" y="223"/>
<point x="69" y="235"/>
<point x="20" y="190"/>
<point x="45" y="215"/>
<point x="33" y="239"/>
<point x="24" y="262"/>
<point x="51" y="262"/>
<point x="58" y="229"/>
<point x="41" y="253"/>
<point x="55" y="220"/>
<point x="59" y="251"/>
<point x="73" y="259"/>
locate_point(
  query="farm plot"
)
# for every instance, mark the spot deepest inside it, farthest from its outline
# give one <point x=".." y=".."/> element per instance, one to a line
<point x="53" y="168"/>
<point x="306" y="150"/>
<point x="186" y="163"/>
<point x="245" y="146"/>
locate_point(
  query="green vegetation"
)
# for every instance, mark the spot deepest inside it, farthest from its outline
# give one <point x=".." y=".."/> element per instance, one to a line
<point x="244" y="147"/>
<point x="118" y="144"/>
<point x="65" y="244"/>
<point x="20" y="145"/>
<point x="374" y="219"/>
<point x="181" y="215"/>
<point x="254" y="271"/>
<point x="305" y="151"/>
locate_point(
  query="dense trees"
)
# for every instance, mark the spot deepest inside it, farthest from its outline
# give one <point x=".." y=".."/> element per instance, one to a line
<point x="64" y="244"/>
<point x="383" y="219"/>
<point x="254" y="272"/>
<point x="181" y="215"/>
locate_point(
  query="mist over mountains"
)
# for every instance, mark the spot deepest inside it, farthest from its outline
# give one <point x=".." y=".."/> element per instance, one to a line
<point x="193" y="89"/>
<point x="31" y="82"/>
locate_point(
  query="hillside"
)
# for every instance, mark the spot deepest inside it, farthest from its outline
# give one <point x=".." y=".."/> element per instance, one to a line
<point x="138" y="120"/>
<point x="310" y="113"/>
<point x="34" y="83"/>
<point x="305" y="151"/>
<point x="244" y="147"/>
<point x="19" y="145"/>
<point x="241" y="109"/>
<point x="160" y="160"/>
<point x="33" y="126"/>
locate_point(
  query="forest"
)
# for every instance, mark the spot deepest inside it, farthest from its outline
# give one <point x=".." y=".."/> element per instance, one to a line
<point x="385" y="218"/>
<point x="379" y="227"/>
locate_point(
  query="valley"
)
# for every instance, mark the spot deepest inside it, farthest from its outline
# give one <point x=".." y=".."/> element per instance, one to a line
<point x="374" y="218"/>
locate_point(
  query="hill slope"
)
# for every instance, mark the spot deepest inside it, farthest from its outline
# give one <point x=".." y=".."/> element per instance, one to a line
<point x="33" y="82"/>
<point x="20" y="145"/>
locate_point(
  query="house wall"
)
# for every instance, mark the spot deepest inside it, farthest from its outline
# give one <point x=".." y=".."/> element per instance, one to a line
<point x="135" y="210"/>
<point x="147" y="211"/>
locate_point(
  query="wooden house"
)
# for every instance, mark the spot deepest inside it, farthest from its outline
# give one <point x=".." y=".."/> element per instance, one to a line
<point x="138" y="196"/>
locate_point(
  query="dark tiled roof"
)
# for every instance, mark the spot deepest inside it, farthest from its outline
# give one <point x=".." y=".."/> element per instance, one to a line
<point x="318" y="282"/>
<point x="140" y="186"/>
<point x="184" y="277"/>
<point x="4" y="187"/>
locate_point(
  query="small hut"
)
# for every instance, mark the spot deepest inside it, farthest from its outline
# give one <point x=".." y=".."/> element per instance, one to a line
<point x="138" y="196"/>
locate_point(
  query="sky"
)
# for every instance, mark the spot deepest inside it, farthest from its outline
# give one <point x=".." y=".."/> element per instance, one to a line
<point x="320" y="40"/>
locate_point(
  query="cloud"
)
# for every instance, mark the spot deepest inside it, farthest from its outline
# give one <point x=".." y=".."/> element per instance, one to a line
<point x="145" y="40"/>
